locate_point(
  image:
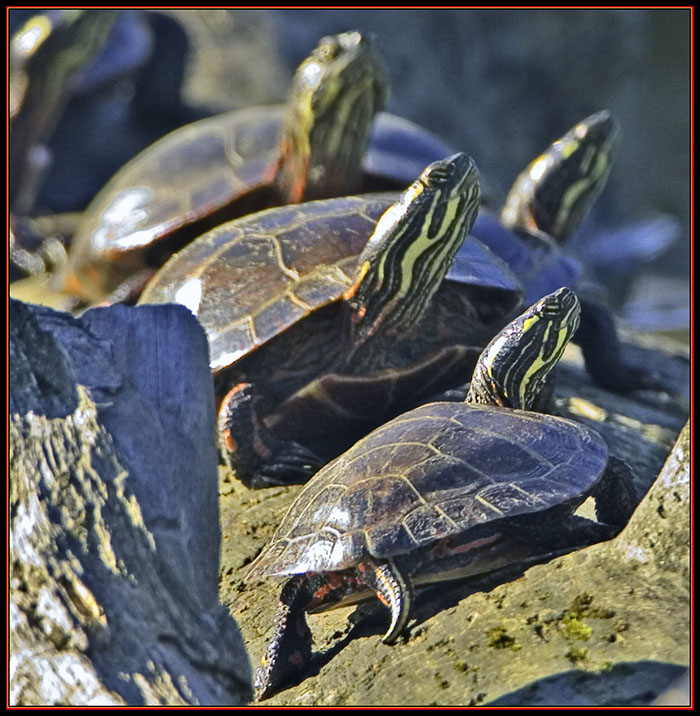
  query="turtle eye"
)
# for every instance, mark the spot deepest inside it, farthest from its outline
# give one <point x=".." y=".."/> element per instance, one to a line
<point x="438" y="174"/>
<point x="328" y="48"/>
<point x="444" y="171"/>
<point x="352" y="39"/>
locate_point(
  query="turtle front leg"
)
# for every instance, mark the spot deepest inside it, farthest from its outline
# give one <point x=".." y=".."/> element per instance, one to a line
<point x="394" y="589"/>
<point x="289" y="650"/>
<point x="249" y="449"/>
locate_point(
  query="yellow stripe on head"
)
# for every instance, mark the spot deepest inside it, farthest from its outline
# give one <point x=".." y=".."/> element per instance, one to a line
<point x="414" y="244"/>
<point x="511" y="371"/>
<point x="556" y="191"/>
<point x="335" y="93"/>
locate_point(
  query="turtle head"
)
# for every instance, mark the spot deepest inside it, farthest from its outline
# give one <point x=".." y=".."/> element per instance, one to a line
<point x="556" y="191"/>
<point x="513" y="368"/>
<point x="335" y="93"/>
<point x="412" y="248"/>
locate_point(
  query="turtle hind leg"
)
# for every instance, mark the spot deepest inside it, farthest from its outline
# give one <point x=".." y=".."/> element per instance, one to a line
<point x="247" y="447"/>
<point x="600" y="345"/>
<point x="289" y="652"/>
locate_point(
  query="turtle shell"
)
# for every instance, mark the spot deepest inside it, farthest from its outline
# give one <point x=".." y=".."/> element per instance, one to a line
<point x="250" y="279"/>
<point x="537" y="261"/>
<point x="432" y="473"/>
<point x="199" y="171"/>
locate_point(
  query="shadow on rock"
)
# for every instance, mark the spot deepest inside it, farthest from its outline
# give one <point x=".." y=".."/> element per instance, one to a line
<point x="625" y="684"/>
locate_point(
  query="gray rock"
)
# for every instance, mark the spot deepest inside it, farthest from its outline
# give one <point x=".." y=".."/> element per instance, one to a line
<point x="114" y="539"/>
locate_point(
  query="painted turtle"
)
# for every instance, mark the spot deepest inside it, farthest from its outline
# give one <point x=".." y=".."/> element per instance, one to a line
<point x="310" y="309"/>
<point x="547" y="204"/>
<point x="225" y="166"/>
<point x="555" y="192"/>
<point x="66" y="66"/>
<point x="47" y="55"/>
<point x="544" y="208"/>
<point x="444" y="491"/>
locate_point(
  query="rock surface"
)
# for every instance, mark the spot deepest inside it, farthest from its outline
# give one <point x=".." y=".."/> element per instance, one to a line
<point x="116" y="535"/>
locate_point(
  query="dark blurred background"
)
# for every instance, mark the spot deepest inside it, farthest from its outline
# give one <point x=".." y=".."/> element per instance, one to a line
<point x="498" y="84"/>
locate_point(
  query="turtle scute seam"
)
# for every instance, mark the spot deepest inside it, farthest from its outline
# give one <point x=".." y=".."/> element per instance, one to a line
<point x="363" y="455"/>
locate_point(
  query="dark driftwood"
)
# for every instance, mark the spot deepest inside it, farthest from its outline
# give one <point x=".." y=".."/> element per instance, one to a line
<point x="114" y="521"/>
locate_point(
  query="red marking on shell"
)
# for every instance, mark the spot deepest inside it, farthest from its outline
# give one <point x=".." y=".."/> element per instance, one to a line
<point x="236" y="389"/>
<point x="475" y="544"/>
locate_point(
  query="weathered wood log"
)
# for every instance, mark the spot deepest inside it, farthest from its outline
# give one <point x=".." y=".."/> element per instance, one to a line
<point x="114" y="525"/>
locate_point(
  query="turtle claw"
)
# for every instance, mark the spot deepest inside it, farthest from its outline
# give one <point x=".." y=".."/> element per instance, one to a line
<point x="254" y="454"/>
<point x="394" y="589"/>
<point x="294" y="465"/>
<point x="289" y="650"/>
<point x="260" y="684"/>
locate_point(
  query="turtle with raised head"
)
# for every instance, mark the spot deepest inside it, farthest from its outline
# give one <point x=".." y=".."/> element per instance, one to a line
<point x="545" y="207"/>
<point x="443" y="491"/>
<point x="327" y="140"/>
<point x="310" y="310"/>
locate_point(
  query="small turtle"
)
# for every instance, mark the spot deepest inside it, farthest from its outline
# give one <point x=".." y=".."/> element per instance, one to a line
<point x="47" y="54"/>
<point x="547" y="204"/>
<point x="555" y="192"/>
<point x="312" y="308"/>
<point x="445" y="490"/>
<point x="553" y="195"/>
<point x="544" y="209"/>
<point x="322" y="143"/>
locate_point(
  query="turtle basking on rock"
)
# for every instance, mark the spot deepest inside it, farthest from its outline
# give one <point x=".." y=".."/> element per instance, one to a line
<point x="443" y="491"/>
<point x="310" y="309"/>
<point x="329" y="139"/>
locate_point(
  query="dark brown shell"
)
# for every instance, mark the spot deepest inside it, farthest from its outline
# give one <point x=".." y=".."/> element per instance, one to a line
<point x="252" y="278"/>
<point x="431" y="473"/>
<point x="202" y="167"/>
